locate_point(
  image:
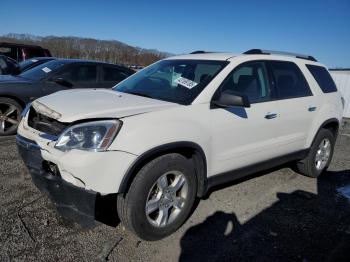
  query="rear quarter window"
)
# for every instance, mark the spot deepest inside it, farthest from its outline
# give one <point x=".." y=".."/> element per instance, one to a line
<point x="323" y="78"/>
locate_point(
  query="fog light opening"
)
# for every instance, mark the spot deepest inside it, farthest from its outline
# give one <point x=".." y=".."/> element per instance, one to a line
<point x="51" y="168"/>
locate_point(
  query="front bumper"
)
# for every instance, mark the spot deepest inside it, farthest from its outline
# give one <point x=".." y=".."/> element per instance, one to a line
<point x="72" y="202"/>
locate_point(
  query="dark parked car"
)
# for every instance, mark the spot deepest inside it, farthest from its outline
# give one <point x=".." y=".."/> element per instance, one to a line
<point x="33" y="62"/>
<point x="50" y="77"/>
<point x="8" y="66"/>
<point x="20" y="52"/>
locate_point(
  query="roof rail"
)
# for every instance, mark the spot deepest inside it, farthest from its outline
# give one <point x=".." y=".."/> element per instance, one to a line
<point x="198" y="52"/>
<point x="270" y="52"/>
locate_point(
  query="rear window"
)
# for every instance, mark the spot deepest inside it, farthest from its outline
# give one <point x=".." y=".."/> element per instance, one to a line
<point x="323" y="78"/>
<point x="33" y="52"/>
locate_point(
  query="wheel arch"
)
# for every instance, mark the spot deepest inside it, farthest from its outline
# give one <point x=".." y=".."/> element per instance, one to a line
<point x="20" y="101"/>
<point x="188" y="149"/>
<point x="331" y="124"/>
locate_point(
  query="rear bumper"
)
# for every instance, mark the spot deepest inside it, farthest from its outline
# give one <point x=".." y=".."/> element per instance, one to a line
<point x="72" y="202"/>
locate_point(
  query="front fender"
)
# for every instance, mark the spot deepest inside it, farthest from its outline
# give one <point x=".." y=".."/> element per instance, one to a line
<point x="143" y="132"/>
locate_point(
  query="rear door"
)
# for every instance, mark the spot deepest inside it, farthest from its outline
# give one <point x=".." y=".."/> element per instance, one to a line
<point x="297" y="105"/>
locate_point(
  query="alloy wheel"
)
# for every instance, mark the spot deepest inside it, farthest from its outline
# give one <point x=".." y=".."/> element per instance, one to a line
<point x="9" y="118"/>
<point x="166" y="199"/>
<point x="322" y="154"/>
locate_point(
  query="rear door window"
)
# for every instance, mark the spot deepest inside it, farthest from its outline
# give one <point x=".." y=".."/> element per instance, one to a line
<point x="113" y="74"/>
<point x="289" y="80"/>
<point x="323" y="78"/>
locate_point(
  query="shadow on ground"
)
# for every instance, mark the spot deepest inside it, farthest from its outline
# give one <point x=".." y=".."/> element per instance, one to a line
<point x="300" y="226"/>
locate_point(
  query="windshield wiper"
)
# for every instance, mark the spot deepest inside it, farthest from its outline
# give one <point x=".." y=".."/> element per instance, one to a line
<point x="139" y="94"/>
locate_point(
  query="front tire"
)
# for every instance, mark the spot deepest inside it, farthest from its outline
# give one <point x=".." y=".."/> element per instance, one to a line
<point x="160" y="197"/>
<point x="320" y="155"/>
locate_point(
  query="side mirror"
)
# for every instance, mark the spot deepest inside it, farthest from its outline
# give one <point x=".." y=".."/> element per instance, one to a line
<point x="228" y="99"/>
<point x="62" y="81"/>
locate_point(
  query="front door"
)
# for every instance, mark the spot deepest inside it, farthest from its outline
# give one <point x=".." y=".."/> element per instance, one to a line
<point x="245" y="136"/>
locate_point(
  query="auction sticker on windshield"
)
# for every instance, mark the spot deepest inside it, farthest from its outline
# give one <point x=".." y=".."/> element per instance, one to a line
<point x="186" y="82"/>
<point x="46" y="70"/>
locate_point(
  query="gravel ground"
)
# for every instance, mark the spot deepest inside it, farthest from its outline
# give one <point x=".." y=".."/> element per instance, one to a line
<point x="275" y="216"/>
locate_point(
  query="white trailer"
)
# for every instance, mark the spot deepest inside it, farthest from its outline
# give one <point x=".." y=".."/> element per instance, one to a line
<point x="342" y="80"/>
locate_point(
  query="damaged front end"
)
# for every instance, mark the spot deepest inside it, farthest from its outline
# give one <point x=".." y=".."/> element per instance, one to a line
<point x="43" y="119"/>
<point x="71" y="162"/>
<point x="72" y="202"/>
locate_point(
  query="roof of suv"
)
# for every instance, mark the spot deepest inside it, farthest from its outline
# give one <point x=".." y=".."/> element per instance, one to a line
<point x="261" y="54"/>
<point x="205" y="56"/>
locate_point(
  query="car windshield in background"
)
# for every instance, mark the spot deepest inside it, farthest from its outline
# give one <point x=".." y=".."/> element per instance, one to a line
<point x="42" y="71"/>
<point x="27" y="62"/>
<point x="178" y="81"/>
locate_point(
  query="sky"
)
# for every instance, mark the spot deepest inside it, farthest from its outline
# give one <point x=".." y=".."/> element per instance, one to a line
<point x="319" y="28"/>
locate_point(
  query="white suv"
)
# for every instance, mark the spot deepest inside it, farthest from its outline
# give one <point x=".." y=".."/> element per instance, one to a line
<point x="165" y="135"/>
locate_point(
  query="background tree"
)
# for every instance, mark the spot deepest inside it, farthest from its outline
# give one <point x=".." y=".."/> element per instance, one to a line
<point x="111" y="51"/>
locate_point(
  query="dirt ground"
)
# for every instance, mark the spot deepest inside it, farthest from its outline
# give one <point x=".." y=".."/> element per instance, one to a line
<point x="272" y="216"/>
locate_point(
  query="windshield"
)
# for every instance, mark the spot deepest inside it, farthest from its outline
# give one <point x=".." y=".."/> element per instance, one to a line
<point x="178" y="81"/>
<point x="42" y="71"/>
<point x="26" y="63"/>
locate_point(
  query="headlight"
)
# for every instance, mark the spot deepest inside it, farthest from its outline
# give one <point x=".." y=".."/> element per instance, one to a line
<point x="94" y="136"/>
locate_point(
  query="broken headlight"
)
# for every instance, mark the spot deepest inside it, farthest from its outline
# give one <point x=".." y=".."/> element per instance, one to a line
<point x="91" y="136"/>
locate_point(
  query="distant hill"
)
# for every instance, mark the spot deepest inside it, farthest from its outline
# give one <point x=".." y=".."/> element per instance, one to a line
<point x="88" y="48"/>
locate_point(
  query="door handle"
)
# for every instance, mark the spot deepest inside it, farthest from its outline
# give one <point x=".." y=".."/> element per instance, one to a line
<point x="270" y="116"/>
<point x="312" y="108"/>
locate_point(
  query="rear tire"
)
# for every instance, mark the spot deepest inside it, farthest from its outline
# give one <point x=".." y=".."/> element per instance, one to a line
<point x="10" y="116"/>
<point x="320" y="155"/>
<point x="160" y="197"/>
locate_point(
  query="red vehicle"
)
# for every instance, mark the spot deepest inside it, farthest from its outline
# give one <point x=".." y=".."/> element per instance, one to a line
<point x="20" y="52"/>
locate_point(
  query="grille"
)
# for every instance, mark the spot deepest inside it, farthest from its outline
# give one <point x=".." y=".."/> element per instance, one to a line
<point x="45" y="124"/>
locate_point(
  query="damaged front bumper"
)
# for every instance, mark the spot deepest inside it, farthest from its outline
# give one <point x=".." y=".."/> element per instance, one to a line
<point x="72" y="202"/>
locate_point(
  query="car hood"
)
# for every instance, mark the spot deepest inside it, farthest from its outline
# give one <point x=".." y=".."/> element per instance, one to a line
<point x="12" y="79"/>
<point x="73" y="105"/>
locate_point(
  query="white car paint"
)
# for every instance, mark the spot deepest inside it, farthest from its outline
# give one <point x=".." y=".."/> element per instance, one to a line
<point x="98" y="103"/>
<point x="230" y="138"/>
